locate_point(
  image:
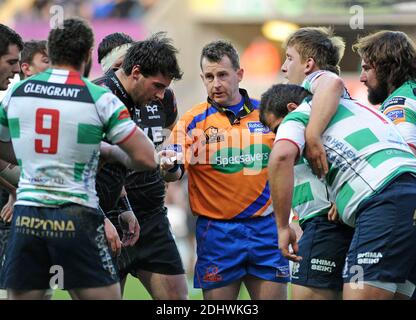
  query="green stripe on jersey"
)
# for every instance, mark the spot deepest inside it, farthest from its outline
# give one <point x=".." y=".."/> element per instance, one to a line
<point x="302" y="194"/>
<point x="297" y="116"/>
<point x="383" y="155"/>
<point x="341" y="114"/>
<point x="343" y="197"/>
<point x="89" y="134"/>
<point x="361" y="139"/>
<point x="410" y="115"/>
<point x="43" y="76"/>
<point x="3" y="117"/>
<point x="14" y="127"/>
<point x="114" y="120"/>
<point x="44" y="201"/>
<point x="78" y="171"/>
<point x="95" y="91"/>
<point x="82" y="196"/>
<point x="331" y="175"/>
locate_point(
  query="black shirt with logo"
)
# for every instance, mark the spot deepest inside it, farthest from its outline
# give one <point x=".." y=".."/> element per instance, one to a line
<point x="145" y="190"/>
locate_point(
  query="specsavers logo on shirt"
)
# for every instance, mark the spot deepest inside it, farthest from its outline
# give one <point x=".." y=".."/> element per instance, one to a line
<point x="232" y="160"/>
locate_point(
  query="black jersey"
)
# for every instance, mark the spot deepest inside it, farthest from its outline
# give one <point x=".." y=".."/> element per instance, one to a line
<point x="145" y="190"/>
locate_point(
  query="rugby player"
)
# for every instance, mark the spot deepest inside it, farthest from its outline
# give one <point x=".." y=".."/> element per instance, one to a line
<point x="159" y="267"/>
<point x="56" y="120"/>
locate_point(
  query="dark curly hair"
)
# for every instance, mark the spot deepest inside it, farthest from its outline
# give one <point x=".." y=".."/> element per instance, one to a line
<point x="7" y="37"/>
<point x="392" y="54"/>
<point x="154" y="55"/>
<point x="71" y="43"/>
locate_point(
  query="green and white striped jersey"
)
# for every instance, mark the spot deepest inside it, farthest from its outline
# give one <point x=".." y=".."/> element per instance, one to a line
<point x="309" y="81"/>
<point x="56" y="121"/>
<point x="400" y="107"/>
<point x="364" y="149"/>
<point x="310" y="195"/>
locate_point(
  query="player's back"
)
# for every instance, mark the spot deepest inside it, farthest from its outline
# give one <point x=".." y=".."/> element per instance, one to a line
<point x="56" y="121"/>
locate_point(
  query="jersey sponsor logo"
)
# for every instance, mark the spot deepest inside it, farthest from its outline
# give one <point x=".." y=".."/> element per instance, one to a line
<point x="395" y="101"/>
<point x="233" y="160"/>
<point x="369" y="257"/>
<point x="211" y="274"/>
<point x="51" y="90"/>
<point x="212" y="135"/>
<point x="282" y="272"/>
<point x="396" y="115"/>
<point x="322" y="265"/>
<point x="257" y="127"/>
<point x="52" y="228"/>
<point x="174" y="147"/>
<point x="153" y="109"/>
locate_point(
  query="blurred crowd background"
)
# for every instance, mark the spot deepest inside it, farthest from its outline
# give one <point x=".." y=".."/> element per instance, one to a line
<point x="257" y="28"/>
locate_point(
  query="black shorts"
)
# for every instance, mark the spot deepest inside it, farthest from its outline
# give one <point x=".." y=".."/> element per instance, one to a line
<point x="45" y="240"/>
<point x="4" y="236"/>
<point x="323" y="246"/>
<point x="155" y="251"/>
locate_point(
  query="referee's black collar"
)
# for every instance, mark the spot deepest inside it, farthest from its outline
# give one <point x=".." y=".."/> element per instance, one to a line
<point x="235" y="119"/>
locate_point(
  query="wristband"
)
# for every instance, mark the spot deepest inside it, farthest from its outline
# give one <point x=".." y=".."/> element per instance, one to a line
<point x="175" y="168"/>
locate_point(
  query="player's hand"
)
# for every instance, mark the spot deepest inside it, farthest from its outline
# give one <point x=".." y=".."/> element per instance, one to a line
<point x="287" y="236"/>
<point x="112" y="237"/>
<point x="7" y="211"/>
<point x="167" y="159"/>
<point x="316" y="155"/>
<point x="130" y="227"/>
<point x="333" y="215"/>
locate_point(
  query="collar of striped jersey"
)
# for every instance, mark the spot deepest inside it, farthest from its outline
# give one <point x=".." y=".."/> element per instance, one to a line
<point x="235" y="119"/>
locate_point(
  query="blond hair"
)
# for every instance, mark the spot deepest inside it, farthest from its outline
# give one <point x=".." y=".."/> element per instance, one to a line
<point x="320" y="44"/>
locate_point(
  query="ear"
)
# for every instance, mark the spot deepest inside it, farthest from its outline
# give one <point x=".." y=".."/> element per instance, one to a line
<point x="309" y="65"/>
<point x="291" y="106"/>
<point x="136" y="72"/>
<point x="25" y="69"/>
<point x="240" y="74"/>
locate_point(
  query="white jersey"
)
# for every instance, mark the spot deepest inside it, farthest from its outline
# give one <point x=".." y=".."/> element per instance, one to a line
<point x="309" y="81"/>
<point x="364" y="151"/>
<point x="56" y="121"/>
<point x="400" y="107"/>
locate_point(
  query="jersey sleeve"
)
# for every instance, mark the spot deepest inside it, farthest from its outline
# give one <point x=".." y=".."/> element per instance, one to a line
<point x="4" y="122"/>
<point x="170" y="107"/>
<point x="118" y="125"/>
<point x="402" y="113"/>
<point x="292" y="129"/>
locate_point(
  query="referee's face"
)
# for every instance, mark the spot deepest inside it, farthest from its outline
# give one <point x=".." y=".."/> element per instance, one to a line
<point x="222" y="81"/>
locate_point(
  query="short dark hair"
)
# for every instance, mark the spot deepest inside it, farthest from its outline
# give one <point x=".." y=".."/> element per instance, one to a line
<point x="7" y="37"/>
<point x="154" y="55"/>
<point x="30" y="48"/>
<point x="277" y="97"/>
<point x="112" y="41"/>
<point x="70" y="43"/>
<point x="216" y="50"/>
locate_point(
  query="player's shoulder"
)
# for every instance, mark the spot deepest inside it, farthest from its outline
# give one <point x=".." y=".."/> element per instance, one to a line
<point x="96" y="90"/>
